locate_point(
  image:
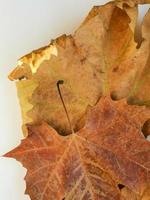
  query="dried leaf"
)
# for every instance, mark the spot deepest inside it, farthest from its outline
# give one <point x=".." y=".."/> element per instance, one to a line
<point x="140" y="93"/>
<point x="108" y="158"/>
<point x="133" y="2"/>
<point x="25" y="89"/>
<point x="81" y="87"/>
<point x="109" y="46"/>
<point x="108" y="154"/>
<point x="101" y="57"/>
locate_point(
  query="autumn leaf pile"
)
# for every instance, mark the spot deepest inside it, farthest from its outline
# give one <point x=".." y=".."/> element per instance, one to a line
<point x="105" y="67"/>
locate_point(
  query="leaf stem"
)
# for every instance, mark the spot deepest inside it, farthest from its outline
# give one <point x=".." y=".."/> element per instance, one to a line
<point x="60" y="82"/>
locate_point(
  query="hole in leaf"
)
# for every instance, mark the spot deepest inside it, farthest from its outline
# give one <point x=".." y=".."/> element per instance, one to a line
<point x="120" y="186"/>
<point x="146" y="128"/>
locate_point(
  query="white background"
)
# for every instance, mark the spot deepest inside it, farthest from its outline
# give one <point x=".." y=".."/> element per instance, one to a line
<point x="26" y="25"/>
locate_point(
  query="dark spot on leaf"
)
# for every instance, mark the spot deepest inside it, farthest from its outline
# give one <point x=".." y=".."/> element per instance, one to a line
<point x="115" y="69"/>
<point x="83" y="60"/>
<point x="94" y="75"/>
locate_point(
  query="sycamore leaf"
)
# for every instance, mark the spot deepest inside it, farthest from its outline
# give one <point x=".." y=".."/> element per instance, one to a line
<point x="101" y="57"/>
<point x="109" y="159"/>
<point x="81" y="87"/>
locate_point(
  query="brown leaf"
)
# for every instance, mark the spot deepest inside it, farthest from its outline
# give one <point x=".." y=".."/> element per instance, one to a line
<point x="81" y="87"/>
<point x="109" y="159"/>
<point x="89" y="62"/>
<point x="140" y="93"/>
<point x="110" y="46"/>
<point x="133" y="2"/>
<point x="101" y="57"/>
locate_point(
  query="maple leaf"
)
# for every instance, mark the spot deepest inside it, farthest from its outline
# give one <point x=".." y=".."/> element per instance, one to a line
<point x="96" y="60"/>
<point x="108" y="159"/>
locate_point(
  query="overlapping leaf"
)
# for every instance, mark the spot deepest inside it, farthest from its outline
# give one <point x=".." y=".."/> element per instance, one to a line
<point x="109" y="159"/>
<point x="100" y="57"/>
<point x="141" y="90"/>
